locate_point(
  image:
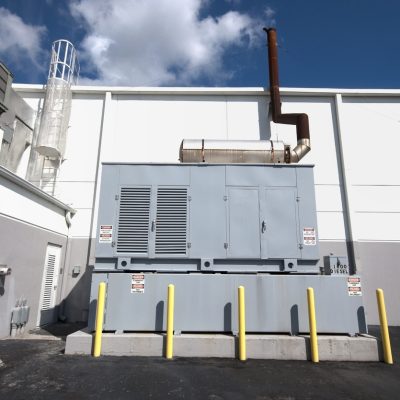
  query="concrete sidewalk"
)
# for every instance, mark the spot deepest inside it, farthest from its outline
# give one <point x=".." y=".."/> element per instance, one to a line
<point x="38" y="369"/>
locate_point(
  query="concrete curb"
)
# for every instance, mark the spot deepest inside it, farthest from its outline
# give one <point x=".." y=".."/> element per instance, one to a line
<point x="273" y="347"/>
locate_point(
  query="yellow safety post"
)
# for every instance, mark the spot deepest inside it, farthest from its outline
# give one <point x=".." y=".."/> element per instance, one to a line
<point x="387" y="349"/>
<point x="99" y="319"/>
<point x="242" y="325"/>
<point x="313" y="325"/>
<point x="170" y="321"/>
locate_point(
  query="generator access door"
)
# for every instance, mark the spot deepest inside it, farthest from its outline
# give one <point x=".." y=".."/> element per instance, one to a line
<point x="279" y="223"/>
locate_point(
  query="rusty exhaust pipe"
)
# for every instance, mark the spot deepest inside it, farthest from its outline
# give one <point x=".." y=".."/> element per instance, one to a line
<point x="300" y="120"/>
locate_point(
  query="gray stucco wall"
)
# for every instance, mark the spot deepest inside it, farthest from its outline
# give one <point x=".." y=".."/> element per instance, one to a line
<point x="23" y="248"/>
<point x="379" y="267"/>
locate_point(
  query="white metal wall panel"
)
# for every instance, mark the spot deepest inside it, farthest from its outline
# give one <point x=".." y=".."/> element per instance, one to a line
<point x="247" y="118"/>
<point x="377" y="226"/>
<point x="82" y="139"/>
<point x="371" y="135"/>
<point x="34" y="100"/>
<point x="377" y="198"/>
<point x="76" y="193"/>
<point x="75" y="183"/>
<point x="81" y="223"/>
<point x="322" y="132"/>
<point x="330" y="226"/>
<point x="21" y="204"/>
<point x="328" y="198"/>
<point x="150" y="129"/>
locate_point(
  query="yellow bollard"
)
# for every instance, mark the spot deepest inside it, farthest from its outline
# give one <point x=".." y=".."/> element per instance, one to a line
<point x="170" y="321"/>
<point x="313" y="325"/>
<point x="387" y="349"/>
<point x="242" y="325"/>
<point x="99" y="319"/>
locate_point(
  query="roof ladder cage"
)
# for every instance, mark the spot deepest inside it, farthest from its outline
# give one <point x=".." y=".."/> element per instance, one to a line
<point x="63" y="73"/>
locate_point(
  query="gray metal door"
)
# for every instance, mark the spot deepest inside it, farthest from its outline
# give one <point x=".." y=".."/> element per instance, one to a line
<point x="47" y="309"/>
<point x="243" y="222"/>
<point x="279" y="225"/>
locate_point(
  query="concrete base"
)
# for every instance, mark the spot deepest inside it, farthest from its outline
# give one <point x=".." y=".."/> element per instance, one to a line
<point x="274" y="347"/>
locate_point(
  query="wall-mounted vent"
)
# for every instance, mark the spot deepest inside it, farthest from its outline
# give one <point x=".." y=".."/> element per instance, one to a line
<point x="48" y="284"/>
<point x="48" y="295"/>
<point x="133" y="221"/>
<point x="171" y="226"/>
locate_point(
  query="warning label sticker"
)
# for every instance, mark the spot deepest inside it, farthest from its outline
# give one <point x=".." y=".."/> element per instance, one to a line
<point x="105" y="234"/>
<point x="354" y="286"/>
<point x="137" y="285"/>
<point x="309" y="237"/>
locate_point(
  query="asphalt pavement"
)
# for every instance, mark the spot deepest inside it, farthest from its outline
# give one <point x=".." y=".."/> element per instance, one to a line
<point x="38" y="369"/>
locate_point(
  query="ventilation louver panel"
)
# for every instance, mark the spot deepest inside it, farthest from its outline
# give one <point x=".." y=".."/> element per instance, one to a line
<point x="133" y="220"/>
<point x="171" y="224"/>
<point x="48" y="284"/>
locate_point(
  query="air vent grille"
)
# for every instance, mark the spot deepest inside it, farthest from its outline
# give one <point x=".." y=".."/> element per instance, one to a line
<point x="133" y="220"/>
<point x="48" y="284"/>
<point x="171" y="224"/>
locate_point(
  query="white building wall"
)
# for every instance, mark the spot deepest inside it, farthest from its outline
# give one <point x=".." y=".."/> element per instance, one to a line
<point x="147" y="125"/>
<point x="372" y="141"/>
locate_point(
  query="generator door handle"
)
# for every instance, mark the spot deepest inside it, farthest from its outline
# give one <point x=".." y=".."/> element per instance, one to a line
<point x="263" y="227"/>
<point x="153" y="225"/>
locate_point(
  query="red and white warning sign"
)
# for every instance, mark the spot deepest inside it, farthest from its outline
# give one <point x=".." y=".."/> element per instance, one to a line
<point x="309" y="237"/>
<point x="354" y="286"/>
<point x="105" y="234"/>
<point x="137" y="283"/>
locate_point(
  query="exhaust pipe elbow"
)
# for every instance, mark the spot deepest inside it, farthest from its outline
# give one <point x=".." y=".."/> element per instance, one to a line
<point x="302" y="148"/>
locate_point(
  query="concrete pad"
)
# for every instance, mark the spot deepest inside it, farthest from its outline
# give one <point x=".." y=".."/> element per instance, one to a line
<point x="276" y="347"/>
<point x="79" y="342"/>
<point x="133" y="344"/>
<point x="204" y="345"/>
<point x="273" y="347"/>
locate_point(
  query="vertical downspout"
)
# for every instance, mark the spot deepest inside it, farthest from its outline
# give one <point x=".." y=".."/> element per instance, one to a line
<point x="345" y="198"/>
<point x="106" y="105"/>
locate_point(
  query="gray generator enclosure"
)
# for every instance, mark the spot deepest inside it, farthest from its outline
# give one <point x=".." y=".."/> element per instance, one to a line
<point x="208" y="228"/>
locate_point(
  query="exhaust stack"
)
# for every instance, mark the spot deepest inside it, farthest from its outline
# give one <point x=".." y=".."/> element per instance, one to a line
<point x="300" y="120"/>
<point x="255" y="151"/>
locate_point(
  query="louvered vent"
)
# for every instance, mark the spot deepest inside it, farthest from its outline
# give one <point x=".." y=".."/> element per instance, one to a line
<point x="48" y="284"/>
<point x="171" y="221"/>
<point x="133" y="221"/>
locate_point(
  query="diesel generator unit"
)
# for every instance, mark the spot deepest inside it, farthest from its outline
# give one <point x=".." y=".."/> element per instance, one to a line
<point x="229" y="214"/>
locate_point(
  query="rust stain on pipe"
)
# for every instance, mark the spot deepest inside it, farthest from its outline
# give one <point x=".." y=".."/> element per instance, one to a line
<point x="301" y="119"/>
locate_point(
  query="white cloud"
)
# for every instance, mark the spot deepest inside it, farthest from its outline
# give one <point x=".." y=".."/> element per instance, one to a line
<point x="20" y="41"/>
<point x="158" y="42"/>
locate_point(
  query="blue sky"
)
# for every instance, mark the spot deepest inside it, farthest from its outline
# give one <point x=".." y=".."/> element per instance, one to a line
<point x="342" y="44"/>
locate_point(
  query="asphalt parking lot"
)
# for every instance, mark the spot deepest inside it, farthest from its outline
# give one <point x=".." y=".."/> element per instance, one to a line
<point x="38" y="369"/>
